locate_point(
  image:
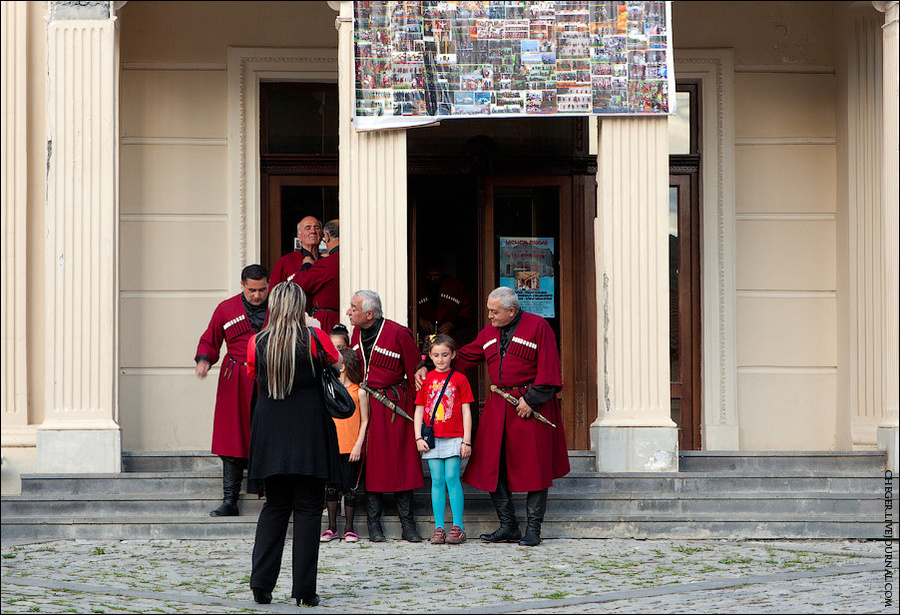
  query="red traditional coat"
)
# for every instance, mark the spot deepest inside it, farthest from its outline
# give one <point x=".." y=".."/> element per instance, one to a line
<point x="535" y="452"/>
<point x="392" y="461"/>
<point x="287" y="265"/>
<point x="452" y="302"/>
<point x="322" y="287"/>
<point x="231" y="424"/>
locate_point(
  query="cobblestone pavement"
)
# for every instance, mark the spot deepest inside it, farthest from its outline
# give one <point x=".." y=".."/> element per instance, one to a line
<point x="559" y="576"/>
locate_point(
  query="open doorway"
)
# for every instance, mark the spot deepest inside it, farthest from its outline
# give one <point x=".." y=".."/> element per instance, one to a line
<point x="478" y="190"/>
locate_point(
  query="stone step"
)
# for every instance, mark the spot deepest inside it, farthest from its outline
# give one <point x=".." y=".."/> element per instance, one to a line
<point x="654" y="526"/>
<point x="716" y="495"/>
<point x="814" y="462"/>
<point x="197" y="483"/>
<point x="198" y="461"/>
<point x="170" y="461"/>
<point x="180" y="505"/>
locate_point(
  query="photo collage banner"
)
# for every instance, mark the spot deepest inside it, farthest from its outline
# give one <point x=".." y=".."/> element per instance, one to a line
<point x="419" y="62"/>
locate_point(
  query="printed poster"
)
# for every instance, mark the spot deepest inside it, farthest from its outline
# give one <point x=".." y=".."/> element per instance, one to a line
<point x="527" y="266"/>
<point x="420" y="62"/>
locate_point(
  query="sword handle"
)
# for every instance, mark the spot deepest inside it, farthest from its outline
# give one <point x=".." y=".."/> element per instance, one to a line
<point x="515" y="402"/>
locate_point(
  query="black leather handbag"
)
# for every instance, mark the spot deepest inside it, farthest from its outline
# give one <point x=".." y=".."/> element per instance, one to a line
<point x="338" y="402"/>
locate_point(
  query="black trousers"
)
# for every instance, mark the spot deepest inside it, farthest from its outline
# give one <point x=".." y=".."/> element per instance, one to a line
<point x="304" y="496"/>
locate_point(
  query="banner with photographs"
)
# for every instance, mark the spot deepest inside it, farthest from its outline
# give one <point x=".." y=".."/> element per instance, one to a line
<point x="526" y="266"/>
<point x="420" y="62"/>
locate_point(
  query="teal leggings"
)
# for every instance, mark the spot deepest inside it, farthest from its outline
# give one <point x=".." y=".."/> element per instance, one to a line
<point x="445" y="473"/>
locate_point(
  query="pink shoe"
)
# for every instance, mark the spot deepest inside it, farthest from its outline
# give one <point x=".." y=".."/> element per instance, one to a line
<point x="327" y="536"/>
<point x="457" y="536"/>
<point x="439" y="537"/>
<point x="350" y="537"/>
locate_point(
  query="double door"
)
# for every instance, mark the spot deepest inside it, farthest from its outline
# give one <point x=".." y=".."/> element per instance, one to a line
<point x="525" y="232"/>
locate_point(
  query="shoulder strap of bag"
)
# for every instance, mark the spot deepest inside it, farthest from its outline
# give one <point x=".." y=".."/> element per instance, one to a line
<point x="441" y="396"/>
<point x="320" y="351"/>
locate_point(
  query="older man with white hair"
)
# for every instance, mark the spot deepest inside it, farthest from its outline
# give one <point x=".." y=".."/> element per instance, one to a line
<point x="512" y="451"/>
<point x="389" y="357"/>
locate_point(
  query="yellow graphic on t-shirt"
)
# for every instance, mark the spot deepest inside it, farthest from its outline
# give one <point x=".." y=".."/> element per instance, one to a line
<point x="442" y="412"/>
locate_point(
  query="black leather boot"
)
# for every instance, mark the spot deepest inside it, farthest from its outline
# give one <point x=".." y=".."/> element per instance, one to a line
<point x="374" y="501"/>
<point x="404" y="500"/>
<point x="232" y="476"/>
<point x="506" y="512"/>
<point x="535" y="506"/>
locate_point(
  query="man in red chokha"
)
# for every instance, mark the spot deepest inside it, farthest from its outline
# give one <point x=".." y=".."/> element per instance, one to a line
<point x="444" y="305"/>
<point x="234" y="321"/>
<point x="321" y="281"/>
<point x="513" y="452"/>
<point x="389" y="357"/>
<point x="309" y="232"/>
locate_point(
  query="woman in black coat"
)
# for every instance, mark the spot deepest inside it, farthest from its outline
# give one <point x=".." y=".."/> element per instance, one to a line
<point x="293" y="445"/>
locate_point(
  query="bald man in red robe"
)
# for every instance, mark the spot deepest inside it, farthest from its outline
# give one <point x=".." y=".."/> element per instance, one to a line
<point x="389" y="358"/>
<point x="514" y="452"/>
<point x="321" y="281"/>
<point x="309" y="232"/>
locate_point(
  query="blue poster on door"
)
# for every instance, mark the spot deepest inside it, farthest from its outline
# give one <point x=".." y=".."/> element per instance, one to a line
<point x="527" y="266"/>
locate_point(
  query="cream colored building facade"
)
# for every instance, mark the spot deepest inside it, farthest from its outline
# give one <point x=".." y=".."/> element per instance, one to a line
<point x="130" y="203"/>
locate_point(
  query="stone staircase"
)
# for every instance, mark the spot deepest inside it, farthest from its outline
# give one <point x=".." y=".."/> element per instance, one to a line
<point x="714" y="495"/>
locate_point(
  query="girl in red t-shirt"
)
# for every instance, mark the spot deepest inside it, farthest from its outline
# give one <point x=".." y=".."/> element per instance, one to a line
<point x="444" y="401"/>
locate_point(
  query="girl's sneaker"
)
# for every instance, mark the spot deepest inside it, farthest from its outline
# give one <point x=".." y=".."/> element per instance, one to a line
<point x="350" y="537"/>
<point x="327" y="536"/>
<point x="457" y="536"/>
<point x="439" y="537"/>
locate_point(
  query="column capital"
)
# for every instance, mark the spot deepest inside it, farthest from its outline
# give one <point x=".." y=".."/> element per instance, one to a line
<point x="60" y="10"/>
<point x="885" y="7"/>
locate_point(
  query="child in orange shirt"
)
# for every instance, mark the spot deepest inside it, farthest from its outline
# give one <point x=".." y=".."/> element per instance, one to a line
<point x="351" y="434"/>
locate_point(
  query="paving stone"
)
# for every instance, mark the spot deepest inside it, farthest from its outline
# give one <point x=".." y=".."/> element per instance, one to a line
<point x="559" y="576"/>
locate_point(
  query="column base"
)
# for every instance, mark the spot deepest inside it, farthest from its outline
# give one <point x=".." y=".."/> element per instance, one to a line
<point x="887" y="441"/>
<point x="77" y="451"/>
<point x="635" y="449"/>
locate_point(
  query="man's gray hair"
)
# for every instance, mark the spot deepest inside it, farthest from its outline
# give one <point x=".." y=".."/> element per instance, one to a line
<point x="371" y="302"/>
<point x="333" y="228"/>
<point x="506" y="296"/>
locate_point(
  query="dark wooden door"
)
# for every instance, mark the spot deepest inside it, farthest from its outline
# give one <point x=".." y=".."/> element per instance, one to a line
<point x="287" y="200"/>
<point x="543" y="209"/>
<point x="684" y="309"/>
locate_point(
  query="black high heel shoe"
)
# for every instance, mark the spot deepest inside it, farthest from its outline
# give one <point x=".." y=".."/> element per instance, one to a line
<point x="261" y="596"/>
<point x="313" y="601"/>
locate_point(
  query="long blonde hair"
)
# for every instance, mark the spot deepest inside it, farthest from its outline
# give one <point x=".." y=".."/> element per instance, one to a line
<point x="283" y="335"/>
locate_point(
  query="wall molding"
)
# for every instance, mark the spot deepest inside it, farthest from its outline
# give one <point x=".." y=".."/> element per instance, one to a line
<point x="173" y="217"/>
<point x="786" y="294"/>
<point x="214" y="293"/>
<point x="714" y="69"/>
<point x="247" y="67"/>
<point x="787" y="369"/>
<point x="790" y="217"/>
<point x="176" y="66"/>
<point x="756" y="141"/>
<point x="177" y="141"/>
<point x="790" y="69"/>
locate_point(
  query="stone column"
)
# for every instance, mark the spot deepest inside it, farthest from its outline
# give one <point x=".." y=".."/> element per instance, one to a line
<point x="80" y="433"/>
<point x="372" y="184"/>
<point x="13" y="205"/>
<point x="860" y="213"/>
<point x="888" y="429"/>
<point x="634" y="431"/>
